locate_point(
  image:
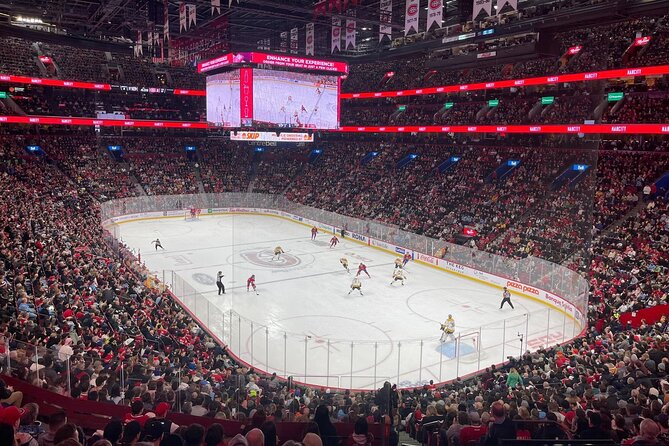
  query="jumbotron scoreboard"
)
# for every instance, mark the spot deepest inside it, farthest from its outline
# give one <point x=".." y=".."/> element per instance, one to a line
<point x="264" y="90"/>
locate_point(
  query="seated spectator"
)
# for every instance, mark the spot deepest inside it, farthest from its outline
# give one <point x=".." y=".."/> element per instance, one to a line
<point x="361" y="435"/>
<point x="153" y="433"/>
<point x="12" y="416"/>
<point x="9" y="397"/>
<point x="472" y="433"/>
<point x="194" y="435"/>
<point x="501" y="427"/>
<point x="255" y="437"/>
<point x="215" y="435"/>
<point x="137" y="413"/>
<point x="68" y="432"/>
<point x="56" y="421"/>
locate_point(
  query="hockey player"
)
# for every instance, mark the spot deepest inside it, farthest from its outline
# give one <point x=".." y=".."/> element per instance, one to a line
<point x="277" y="253"/>
<point x="314" y="233"/>
<point x="157" y="244"/>
<point x="398" y="263"/>
<point x="344" y="263"/>
<point x="406" y="259"/>
<point x="447" y="329"/>
<point x="219" y="283"/>
<point x="251" y="283"/>
<point x="356" y="285"/>
<point x="398" y="276"/>
<point x="333" y="241"/>
<point x="362" y="268"/>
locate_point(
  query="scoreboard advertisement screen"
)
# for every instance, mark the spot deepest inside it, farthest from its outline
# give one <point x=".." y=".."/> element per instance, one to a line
<point x="267" y="98"/>
<point x="295" y="100"/>
<point x="223" y="99"/>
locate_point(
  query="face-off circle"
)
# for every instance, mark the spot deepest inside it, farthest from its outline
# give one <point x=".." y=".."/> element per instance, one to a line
<point x="265" y="258"/>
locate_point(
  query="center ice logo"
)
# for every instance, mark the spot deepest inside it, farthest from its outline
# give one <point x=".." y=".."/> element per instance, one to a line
<point x="267" y="259"/>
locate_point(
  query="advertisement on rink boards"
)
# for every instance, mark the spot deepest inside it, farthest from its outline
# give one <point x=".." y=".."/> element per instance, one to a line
<point x="271" y="136"/>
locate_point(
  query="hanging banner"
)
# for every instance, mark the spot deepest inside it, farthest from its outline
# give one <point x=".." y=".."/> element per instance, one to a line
<point x="182" y="16"/>
<point x="411" y="16"/>
<point x="138" y="45"/>
<point x="512" y="3"/>
<point x="336" y="35"/>
<point x="310" y="39"/>
<point x="192" y="15"/>
<point x="434" y="13"/>
<point x="215" y="6"/>
<point x="283" y="46"/>
<point x="333" y="6"/>
<point x="350" y="34"/>
<point x="482" y="5"/>
<point x="385" y="19"/>
<point x="293" y="41"/>
<point x="166" y="25"/>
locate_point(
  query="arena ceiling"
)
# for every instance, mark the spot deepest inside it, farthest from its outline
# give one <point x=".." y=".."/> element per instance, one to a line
<point x="246" y="21"/>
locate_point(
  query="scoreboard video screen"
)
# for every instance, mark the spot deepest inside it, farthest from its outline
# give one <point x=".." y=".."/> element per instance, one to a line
<point x="223" y="99"/>
<point x="273" y="91"/>
<point x="295" y="100"/>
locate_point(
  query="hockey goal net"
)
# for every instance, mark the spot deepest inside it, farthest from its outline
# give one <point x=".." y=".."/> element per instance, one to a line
<point x="468" y="345"/>
<point x="192" y="214"/>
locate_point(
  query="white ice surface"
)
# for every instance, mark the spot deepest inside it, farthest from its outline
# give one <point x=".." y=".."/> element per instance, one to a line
<point x="305" y="324"/>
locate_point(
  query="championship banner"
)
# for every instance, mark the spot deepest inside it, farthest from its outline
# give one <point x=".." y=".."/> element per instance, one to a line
<point x="512" y="3"/>
<point x="328" y="6"/>
<point x="215" y="6"/>
<point x="336" y="35"/>
<point x="482" y="5"/>
<point x="182" y="16"/>
<point x="192" y="15"/>
<point x="283" y="46"/>
<point x="271" y="136"/>
<point x="385" y="19"/>
<point x="350" y="33"/>
<point x="293" y="41"/>
<point x="166" y="25"/>
<point x="434" y="13"/>
<point x="138" y="45"/>
<point x="411" y="16"/>
<point x="310" y="39"/>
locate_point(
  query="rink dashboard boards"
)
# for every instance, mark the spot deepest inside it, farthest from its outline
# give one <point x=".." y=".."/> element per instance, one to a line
<point x="273" y="91"/>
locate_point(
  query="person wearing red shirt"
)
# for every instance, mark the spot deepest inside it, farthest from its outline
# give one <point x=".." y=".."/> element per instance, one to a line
<point x="137" y="413"/>
<point x="362" y="268"/>
<point x="251" y="282"/>
<point x="472" y="433"/>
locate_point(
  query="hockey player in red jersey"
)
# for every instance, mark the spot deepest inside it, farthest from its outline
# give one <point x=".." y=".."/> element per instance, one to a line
<point x="362" y="268"/>
<point x="314" y="233"/>
<point x="333" y="241"/>
<point x="251" y="283"/>
<point x="406" y="259"/>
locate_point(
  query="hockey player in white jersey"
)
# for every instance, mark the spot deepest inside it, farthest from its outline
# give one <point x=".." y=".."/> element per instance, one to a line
<point x="447" y="329"/>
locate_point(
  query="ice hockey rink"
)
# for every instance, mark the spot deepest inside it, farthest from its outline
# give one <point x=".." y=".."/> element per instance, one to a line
<point x="304" y="324"/>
